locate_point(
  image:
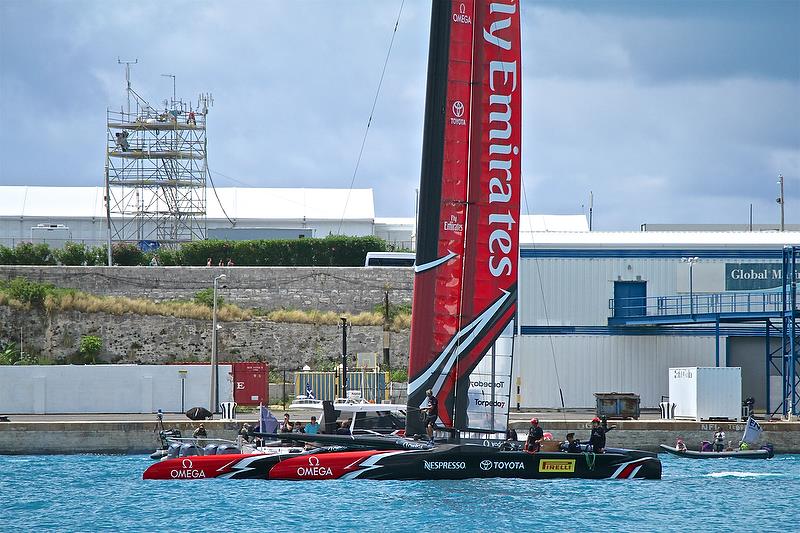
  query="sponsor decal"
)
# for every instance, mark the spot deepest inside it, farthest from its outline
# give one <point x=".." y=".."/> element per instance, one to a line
<point x="187" y="471"/>
<point x="461" y="17"/>
<point x="557" y="465"/>
<point x="486" y="465"/>
<point x="503" y="150"/>
<point x="313" y="468"/>
<point x="453" y="224"/>
<point x="498" y="385"/>
<point x="458" y="114"/>
<point x="489" y="403"/>
<point x="445" y="465"/>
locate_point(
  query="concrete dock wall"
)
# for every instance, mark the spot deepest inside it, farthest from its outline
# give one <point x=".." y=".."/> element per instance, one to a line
<point x="139" y="437"/>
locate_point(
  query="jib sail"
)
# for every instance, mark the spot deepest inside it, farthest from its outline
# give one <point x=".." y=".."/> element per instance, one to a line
<point x="467" y="234"/>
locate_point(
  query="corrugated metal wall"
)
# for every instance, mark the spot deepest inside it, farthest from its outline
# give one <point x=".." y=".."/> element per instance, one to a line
<point x="590" y="363"/>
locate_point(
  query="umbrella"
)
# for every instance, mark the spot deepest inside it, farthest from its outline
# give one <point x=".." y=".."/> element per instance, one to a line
<point x="198" y="413"/>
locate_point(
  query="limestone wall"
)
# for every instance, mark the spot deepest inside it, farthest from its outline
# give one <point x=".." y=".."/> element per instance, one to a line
<point x="154" y="339"/>
<point x="339" y="289"/>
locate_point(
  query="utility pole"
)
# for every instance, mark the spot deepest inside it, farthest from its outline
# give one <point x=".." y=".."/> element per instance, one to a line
<point x="780" y="199"/>
<point x="344" y="356"/>
<point x="386" y="329"/>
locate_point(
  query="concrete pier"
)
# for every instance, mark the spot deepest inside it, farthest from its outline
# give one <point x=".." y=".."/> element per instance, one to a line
<point x="137" y="434"/>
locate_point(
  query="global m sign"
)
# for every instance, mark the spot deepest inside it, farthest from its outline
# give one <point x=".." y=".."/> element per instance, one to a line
<point x="753" y="276"/>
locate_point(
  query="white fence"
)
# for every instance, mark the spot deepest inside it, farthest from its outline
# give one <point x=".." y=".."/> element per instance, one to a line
<point x="109" y="388"/>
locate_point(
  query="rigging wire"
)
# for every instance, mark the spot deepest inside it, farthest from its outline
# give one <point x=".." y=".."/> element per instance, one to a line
<point x="214" y="188"/>
<point x="369" y="121"/>
<point x="544" y="302"/>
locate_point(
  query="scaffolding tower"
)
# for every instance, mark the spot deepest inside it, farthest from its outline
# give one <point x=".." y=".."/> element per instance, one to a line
<point x="155" y="173"/>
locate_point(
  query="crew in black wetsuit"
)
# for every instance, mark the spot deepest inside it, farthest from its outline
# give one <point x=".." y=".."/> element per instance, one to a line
<point x="571" y="445"/>
<point x="535" y="436"/>
<point x="597" y="440"/>
<point x="432" y="413"/>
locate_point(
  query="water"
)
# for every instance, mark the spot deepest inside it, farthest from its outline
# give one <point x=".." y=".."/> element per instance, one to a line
<point x="106" y="493"/>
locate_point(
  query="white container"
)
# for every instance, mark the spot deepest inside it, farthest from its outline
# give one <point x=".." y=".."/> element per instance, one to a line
<point x="702" y="393"/>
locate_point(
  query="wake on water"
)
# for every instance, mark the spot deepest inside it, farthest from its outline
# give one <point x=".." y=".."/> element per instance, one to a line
<point x="742" y="474"/>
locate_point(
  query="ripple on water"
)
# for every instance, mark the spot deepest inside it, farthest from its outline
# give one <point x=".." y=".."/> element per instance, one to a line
<point x="90" y="492"/>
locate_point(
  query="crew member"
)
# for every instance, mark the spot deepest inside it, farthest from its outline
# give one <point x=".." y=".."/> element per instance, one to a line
<point x="535" y="436"/>
<point x="571" y="445"/>
<point x="432" y="413"/>
<point x="719" y="440"/>
<point x="200" y="434"/>
<point x="680" y="445"/>
<point x="597" y="439"/>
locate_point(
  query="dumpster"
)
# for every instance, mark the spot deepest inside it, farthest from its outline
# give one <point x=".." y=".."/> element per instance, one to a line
<point x="617" y="404"/>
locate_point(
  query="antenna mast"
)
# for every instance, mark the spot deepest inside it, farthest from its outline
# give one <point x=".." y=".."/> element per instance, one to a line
<point x="128" y="77"/>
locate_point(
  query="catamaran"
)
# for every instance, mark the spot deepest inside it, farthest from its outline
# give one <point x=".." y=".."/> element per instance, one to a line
<point x="465" y="287"/>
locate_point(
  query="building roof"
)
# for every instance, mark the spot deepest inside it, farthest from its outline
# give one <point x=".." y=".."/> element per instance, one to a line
<point x="661" y="239"/>
<point x="240" y="203"/>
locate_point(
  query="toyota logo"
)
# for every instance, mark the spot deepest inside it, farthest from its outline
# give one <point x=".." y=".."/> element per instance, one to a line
<point x="486" y="464"/>
<point x="186" y="464"/>
<point x="313" y="461"/>
<point x="458" y="108"/>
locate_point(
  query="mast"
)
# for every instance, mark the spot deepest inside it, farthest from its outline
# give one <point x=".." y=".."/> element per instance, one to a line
<point x="468" y="237"/>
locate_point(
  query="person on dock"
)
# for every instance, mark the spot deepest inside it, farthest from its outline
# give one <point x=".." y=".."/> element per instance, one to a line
<point x="312" y="428"/>
<point x="535" y="437"/>
<point x="432" y="413"/>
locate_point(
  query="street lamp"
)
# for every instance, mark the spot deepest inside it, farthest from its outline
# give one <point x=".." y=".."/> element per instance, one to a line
<point x="691" y="261"/>
<point x="214" y="407"/>
<point x="344" y="356"/>
<point x="780" y="199"/>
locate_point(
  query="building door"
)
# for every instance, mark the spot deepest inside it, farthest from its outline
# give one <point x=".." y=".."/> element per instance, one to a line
<point x="630" y="298"/>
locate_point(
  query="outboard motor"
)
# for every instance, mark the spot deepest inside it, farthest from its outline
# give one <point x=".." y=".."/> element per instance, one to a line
<point x="223" y="449"/>
<point x="210" y="449"/>
<point x="330" y="415"/>
<point x="190" y="449"/>
<point x="174" y="450"/>
<point x="770" y="449"/>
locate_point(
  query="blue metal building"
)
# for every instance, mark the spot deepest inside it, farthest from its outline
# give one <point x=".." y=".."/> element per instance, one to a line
<point x="612" y="312"/>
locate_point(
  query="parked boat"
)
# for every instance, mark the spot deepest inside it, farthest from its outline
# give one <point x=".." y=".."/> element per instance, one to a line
<point x="764" y="453"/>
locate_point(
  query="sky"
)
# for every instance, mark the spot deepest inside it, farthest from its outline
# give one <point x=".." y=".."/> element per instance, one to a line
<point x="666" y="112"/>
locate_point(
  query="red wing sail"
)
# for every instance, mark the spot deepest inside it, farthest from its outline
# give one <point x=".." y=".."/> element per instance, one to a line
<point x="467" y="232"/>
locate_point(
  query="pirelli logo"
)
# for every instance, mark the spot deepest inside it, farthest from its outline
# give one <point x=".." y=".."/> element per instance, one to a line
<point x="557" y="465"/>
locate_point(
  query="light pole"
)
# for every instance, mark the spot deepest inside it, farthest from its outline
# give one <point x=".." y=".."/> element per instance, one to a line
<point x="214" y="407"/>
<point x="691" y="261"/>
<point x="780" y="199"/>
<point x="344" y="356"/>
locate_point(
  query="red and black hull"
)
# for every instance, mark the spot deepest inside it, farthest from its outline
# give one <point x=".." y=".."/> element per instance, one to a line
<point x="449" y="461"/>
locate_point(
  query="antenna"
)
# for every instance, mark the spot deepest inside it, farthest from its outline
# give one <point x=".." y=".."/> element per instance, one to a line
<point x="173" y="87"/>
<point x="591" y="205"/>
<point x="128" y="77"/>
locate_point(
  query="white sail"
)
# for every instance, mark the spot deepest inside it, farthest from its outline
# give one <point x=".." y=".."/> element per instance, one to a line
<point x="490" y="386"/>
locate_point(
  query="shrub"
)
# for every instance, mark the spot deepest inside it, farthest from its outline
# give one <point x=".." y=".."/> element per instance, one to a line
<point x="73" y="254"/>
<point x="169" y="257"/>
<point x="127" y="254"/>
<point x="90" y="347"/>
<point x="399" y="376"/>
<point x="6" y="255"/>
<point x="206" y="297"/>
<point x="27" y="253"/>
<point x="28" y="292"/>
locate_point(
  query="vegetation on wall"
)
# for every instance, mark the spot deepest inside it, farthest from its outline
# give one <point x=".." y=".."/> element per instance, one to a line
<point x="334" y="250"/>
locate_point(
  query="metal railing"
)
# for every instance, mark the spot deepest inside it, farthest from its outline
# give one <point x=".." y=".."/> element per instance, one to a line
<point x="696" y="304"/>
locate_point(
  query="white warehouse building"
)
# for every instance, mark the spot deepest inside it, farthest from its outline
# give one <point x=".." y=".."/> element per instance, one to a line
<point x="612" y="312"/>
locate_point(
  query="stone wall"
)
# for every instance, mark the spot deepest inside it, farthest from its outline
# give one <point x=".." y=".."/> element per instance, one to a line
<point x="156" y="339"/>
<point x="338" y="289"/>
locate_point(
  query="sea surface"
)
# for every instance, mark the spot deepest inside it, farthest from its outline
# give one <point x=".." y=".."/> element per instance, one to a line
<point x="106" y="493"/>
